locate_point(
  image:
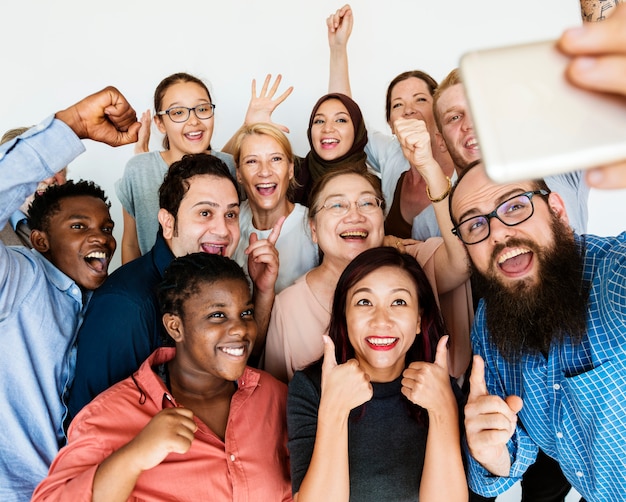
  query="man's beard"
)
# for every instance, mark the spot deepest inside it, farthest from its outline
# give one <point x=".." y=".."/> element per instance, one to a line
<point x="526" y="318"/>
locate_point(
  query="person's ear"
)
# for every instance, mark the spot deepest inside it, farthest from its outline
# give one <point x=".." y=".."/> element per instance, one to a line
<point x="313" y="230"/>
<point x="174" y="327"/>
<point x="39" y="240"/>
<point x="557" y="206"/>
<point x="158" y="121"/>
<point x="418" y="328"/>
<point x="168" y="223"/>
<point x="441" y="144"/>
<point x="291" y="171"/>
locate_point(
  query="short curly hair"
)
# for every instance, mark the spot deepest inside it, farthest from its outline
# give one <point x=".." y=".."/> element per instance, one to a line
<point x="184" y="274"/>
<point x="49" y="202"/>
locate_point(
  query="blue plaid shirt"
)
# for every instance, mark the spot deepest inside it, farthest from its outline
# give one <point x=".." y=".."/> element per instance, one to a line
<point x="575" y="400"/>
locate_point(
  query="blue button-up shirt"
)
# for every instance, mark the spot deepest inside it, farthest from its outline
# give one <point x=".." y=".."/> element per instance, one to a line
<point x="575" y="399"/>
<point x="40" y="309"/>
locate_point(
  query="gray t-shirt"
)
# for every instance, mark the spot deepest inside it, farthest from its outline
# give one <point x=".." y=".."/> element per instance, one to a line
<point x="138" y="191"/>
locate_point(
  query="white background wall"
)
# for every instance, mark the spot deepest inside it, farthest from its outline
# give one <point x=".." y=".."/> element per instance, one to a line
<point x="55" y="53"/>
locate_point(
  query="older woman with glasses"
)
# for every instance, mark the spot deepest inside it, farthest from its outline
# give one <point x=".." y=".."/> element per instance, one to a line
<point x="346" y="216"/>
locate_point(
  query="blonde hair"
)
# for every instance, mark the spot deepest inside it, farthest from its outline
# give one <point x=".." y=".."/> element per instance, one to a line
<point x="265" y="129"/>
<point x="453" y="78"/>
<point x="13" y="133"/>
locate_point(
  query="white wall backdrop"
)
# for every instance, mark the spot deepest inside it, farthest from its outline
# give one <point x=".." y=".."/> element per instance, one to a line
<point x="55" y="53"/>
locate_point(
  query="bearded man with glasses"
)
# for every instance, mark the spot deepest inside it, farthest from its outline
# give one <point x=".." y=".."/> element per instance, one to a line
<point x="549" y="339"/>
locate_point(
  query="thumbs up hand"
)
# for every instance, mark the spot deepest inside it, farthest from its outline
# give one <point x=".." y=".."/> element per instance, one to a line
<point x="344" y="386"/>
<point x="490" y="422"/>
<point x="428" y="384"/>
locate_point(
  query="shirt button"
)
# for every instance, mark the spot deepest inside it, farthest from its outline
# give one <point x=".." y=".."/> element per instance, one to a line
<point x="579" y="474"/>
<point x="556" y="386"/>
<point x="232" y="458"/>
<point x="559" y="435"/>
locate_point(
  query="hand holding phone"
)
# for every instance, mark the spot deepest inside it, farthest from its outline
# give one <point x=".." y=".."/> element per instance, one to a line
<point x="531" y="122"/>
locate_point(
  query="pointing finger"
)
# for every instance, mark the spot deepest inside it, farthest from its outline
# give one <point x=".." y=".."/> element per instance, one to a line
<point x="478" y="386"/>
<point x="273" y="237"/>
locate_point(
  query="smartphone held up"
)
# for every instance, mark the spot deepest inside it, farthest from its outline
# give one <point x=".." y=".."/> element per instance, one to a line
<point x="530" y="121"/>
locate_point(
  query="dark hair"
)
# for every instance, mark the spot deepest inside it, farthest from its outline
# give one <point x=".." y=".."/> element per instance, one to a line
<point x="423" y="76"/>
<point x="165" y="84"/>
<point x="184" y="275"/>
<point x="538" y="184"/>
<point x="48" y="203"/>
<point x="175" y="184"/>
<point x="424" y="348"/>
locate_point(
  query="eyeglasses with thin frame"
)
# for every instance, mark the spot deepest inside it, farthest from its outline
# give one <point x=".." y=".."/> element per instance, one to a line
<point x="181" y="113"/>
<point x="511" y="212"/>
<point x="339" y="206"/>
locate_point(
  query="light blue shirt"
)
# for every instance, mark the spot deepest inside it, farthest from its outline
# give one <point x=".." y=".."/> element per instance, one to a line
<point x="16" y="218"/>
<point x="40" y="309"/>
<point x="575" y="399"/>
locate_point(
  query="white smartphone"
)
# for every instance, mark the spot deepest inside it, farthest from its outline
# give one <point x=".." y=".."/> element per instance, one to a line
<point x="530" y="121"/>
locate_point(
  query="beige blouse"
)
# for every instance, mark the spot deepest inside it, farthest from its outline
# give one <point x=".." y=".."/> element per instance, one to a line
<point x="298" y="321"/>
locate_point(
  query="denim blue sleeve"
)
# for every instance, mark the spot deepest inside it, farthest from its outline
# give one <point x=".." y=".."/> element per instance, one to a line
<point x="34" y="156"/>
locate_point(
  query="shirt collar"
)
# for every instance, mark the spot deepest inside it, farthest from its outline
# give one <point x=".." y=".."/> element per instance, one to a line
<point x="58" y="279"/>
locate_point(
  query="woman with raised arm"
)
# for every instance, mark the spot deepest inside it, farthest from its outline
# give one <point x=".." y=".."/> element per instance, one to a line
<point x="409" y="97"/>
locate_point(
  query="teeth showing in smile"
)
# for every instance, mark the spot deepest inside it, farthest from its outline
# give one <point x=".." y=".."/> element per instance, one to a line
<point x="328" y="141"/>
<point x="96" y="255"/>
<point x="359" y="234"/>
<point x="472" y="143"/>
<point x="381" y="342"/>
<point x="512" y="254"/>
<point x="237" y="352"/>
<point x="194" y="135"/>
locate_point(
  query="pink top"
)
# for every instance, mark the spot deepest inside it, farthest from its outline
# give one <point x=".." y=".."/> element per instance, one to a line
<point x="298" y="321"/>
<point x="251" y="464"/>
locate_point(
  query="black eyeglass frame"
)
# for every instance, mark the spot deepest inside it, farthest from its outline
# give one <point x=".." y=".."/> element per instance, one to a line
<point x="189" y="110"/>
<point x="494" y="214"/>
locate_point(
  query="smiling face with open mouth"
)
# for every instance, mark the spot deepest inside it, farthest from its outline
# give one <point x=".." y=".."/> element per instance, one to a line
<point x="264" y="171"/>
<point x="217" y="330"/>
<point x="510" y="255"/>
<point x="78" y="240"/>
<point x="457" y="127"/>
<point x="341" y="238"/>
<point x="332" y="130"/>
<point x="193" y="135"/>
<point x="382" y="316"/>
<point x="207" y="219"/>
